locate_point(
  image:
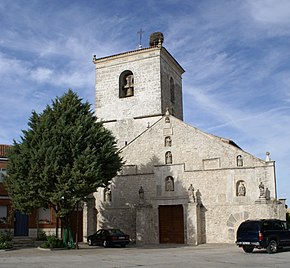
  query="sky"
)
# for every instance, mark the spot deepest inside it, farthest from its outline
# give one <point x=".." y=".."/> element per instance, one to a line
<point x="235" y="53"/>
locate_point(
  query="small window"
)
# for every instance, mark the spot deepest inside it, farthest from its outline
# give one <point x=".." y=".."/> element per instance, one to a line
<point x="115" y="232"/>
<point x="3" y="172"/>
<point x="3" y="214"/>
<point x="126" y="84"/>
<point x="277" y="225"/>
<point x="286" y="225"/>
<point x="44" y="215"/>
<point x="249" y="226"/>
<point x="267" y="226"/>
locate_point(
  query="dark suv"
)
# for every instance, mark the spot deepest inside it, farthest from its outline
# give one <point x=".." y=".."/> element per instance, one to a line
<point x="269" y="234"/>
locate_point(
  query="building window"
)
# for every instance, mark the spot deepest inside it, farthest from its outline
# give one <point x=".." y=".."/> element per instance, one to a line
<point x="44" y="215"/>
<point x="3" y="172"/>
<point x="126" y="84"/>
<point x="172" y="90"/>
<point x="3" y="214"/>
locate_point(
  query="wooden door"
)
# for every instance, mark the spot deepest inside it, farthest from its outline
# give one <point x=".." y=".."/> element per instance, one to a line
<point x="77" y="225"/>
<point x="171" y="224"/>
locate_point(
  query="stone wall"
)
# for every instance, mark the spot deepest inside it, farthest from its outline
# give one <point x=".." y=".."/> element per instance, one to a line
<point x="218" y="209"/>
<point x="152" y="69"/>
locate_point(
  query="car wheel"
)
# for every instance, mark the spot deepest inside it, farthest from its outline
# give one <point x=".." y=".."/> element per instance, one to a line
<point x="90" y="242"/>
<point x="272" y="246"/>
<point x="105" y="244"/>
<point x="248" y="249"/>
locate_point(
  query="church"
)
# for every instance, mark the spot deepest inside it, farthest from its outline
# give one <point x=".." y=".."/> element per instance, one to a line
<point x="179" y="184"/>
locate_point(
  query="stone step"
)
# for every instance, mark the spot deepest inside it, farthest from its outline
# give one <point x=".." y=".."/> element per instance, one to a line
<point x="23" y="242"/>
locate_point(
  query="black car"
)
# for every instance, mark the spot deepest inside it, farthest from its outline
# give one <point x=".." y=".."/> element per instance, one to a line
<point x="108" y="237"/>
<point x="269" y="234"/>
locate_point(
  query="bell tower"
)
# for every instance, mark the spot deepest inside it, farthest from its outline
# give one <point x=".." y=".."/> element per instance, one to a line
<point x="135" y="88"/>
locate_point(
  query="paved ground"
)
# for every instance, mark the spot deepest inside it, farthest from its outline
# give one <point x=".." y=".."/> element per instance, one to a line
<point x="209" y="255"/>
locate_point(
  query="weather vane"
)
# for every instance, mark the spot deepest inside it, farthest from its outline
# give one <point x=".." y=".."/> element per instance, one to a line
<point x="140" y="40"/>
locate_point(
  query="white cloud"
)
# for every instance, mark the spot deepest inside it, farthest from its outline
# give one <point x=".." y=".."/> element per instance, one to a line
<point x="271" y="17"/>
<point x="42" y="74"/>
<point x="11" y="67"/>
<point x="271" y="11"/>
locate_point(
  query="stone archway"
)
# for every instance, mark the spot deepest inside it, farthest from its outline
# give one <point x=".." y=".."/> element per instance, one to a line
<point x="233" y="222"/>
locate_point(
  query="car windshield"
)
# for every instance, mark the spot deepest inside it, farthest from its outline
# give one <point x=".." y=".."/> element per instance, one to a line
<point x="115" y="232"/>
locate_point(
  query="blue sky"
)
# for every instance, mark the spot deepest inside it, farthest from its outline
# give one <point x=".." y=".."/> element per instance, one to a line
<point x="236" y="56"/>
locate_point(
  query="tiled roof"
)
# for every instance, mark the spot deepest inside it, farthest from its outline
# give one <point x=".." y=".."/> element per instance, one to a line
<point x="3" y="150"/>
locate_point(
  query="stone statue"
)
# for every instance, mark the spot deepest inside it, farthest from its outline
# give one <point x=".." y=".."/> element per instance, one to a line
<point x="191" y="193"/>
<point x="167" y="141"/>
<point x="167" y="112"/>
<point x="240" y="161"/>
<point x="262" y="190"/>
<point x="169" y="186"/>
<point x="241" y="189"/>
<point x="168" y="158"/>
<point x="198" y="197"/>
<point x="108" y="194"/>
<point x="141" y="193"/>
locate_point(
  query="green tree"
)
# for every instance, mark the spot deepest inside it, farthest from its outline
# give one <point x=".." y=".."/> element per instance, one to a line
<point x="62" y="158"/>
<point x="288" y="217"/>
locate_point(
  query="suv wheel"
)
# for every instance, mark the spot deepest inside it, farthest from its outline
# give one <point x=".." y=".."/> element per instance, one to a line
<point x="272" y="246"/>
<point x="248" y="249"/>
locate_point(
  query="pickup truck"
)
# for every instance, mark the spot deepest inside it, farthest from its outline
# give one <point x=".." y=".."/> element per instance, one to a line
<point x="271" y="234"/>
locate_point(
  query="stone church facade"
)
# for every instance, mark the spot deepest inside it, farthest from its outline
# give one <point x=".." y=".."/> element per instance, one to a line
<point x="179" y="184"/>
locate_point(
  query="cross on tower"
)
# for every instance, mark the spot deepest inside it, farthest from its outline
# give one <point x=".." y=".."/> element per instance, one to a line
<point x="140" y="33"/>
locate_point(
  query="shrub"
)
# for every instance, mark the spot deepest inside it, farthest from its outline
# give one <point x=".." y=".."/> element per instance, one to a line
<point x="5" y="238"/>
<point x="5" y="245"/>
<point x="53" y="242"/>
<point x="3" y="220"/>
<point x="41" y="236"/>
